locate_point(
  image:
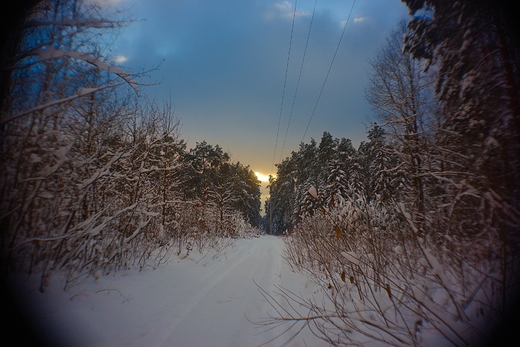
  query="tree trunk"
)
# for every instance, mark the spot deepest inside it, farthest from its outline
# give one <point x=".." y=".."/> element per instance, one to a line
<point x="12" y="17"/>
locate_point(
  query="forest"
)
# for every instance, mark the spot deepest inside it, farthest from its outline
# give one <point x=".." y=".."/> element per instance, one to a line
<point x="422" y="219"/>
<point x="416" y="229"/>
<point x="94" y="177"/>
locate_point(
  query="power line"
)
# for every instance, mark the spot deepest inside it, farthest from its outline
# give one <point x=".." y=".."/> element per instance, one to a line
<point x="285" y="82"/>
<point x="281" y="108"/>
<point x="299" y="77"/>
<point x="330" y="67"/>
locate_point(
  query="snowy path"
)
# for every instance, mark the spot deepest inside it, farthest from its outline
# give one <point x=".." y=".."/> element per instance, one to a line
<point x="217" y="317"/>
<point x="189" y="302"/>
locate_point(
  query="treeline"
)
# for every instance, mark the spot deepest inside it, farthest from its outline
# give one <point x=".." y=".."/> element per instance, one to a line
<point x="338" y="173"/>
<point x="416" y="233"/>
<point x="93" y="177"/>
<point x="212" y="179"/>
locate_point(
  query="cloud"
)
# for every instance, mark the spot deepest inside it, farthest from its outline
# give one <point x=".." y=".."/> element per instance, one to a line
<point x="284" y="9"/>
<point x="356" y="20"/>
<point x="225" y="66"/>
<point x="121" y="59"/>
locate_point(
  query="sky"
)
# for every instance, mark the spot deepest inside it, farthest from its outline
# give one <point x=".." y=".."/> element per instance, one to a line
<point x="222" y="63"/>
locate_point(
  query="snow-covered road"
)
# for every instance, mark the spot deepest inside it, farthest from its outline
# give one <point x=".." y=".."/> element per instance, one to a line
<point x="195" y="301"/>
<point x="215" y="315"/>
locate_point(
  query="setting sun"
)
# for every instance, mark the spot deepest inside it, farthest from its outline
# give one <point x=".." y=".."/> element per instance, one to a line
<point x="262" y="177"/>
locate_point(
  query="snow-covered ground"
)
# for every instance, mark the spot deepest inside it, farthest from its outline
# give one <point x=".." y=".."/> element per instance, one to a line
<point x="200" y="300"/>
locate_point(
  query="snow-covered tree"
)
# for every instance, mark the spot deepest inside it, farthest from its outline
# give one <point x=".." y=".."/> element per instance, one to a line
<point x="475" y="59"/>
<point x="435" y="206"/>
<point x="215" y="182"/>
<point x="282" y="199"/>
<point x="328" y="168"/>
<point x="402" y="97"/>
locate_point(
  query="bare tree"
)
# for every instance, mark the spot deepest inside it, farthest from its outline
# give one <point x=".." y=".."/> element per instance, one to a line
<point x="441" y="259"/>
<point x="53" y="124"/>
<point x="402" y="97"/>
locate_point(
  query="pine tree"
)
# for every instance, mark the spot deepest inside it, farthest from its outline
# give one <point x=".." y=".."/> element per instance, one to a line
<point x="282" y="200"/>
<point x="478" y="136"/>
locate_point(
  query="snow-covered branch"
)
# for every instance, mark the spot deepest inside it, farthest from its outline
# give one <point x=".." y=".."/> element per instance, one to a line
<point x="81" y="93"/>
<point x="55" y="53"/>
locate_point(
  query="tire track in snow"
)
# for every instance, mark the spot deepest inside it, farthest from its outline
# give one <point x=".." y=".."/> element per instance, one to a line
<point x="217" y="315"/>
<point x="207" y="284"/>
<point x="183" y="303"/>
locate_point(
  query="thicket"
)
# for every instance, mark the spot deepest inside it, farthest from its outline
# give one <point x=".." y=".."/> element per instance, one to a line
<point x="415" y="234"/>
<point x="94" y="178"/>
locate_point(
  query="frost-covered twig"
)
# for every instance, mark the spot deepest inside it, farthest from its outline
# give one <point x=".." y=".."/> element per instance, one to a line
<point x="56" y="53"/>
<point x="81" y="93"/>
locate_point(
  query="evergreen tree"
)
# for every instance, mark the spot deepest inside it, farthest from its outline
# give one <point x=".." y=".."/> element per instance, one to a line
<point x="381" y="160"/>
<point x="214" y="182"/>
<point x="478" y="135"/>
<point x="282" y="200"/>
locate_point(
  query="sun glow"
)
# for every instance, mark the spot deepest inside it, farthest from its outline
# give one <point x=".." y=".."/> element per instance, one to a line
<point x="262" y="177"/>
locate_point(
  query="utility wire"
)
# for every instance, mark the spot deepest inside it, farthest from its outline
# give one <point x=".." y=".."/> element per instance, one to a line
<point x="281" y="109"/>
<point x="285" y="82"/>
<point x="330" y="67"/>
<point x="299" y="77"/>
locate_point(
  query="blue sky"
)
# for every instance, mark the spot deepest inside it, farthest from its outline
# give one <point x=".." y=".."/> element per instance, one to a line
<point x="223" y="62"/>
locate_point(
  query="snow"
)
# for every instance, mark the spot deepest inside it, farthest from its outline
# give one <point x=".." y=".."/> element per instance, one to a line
<point x="312" y="191"/>
<point x="382" y="301"/>
<point x="398" y="249"/>
<point x="55" y="53"/>
<point x="351" y="256"/>
<point x="207" y="299"/>
<point x="437" y="268"/>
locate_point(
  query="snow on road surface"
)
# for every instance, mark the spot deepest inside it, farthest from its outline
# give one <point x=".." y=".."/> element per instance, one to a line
<point x="195" y="301"/>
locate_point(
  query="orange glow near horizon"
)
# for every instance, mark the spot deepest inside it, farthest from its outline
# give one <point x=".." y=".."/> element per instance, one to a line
<point x="262" y="177"/>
